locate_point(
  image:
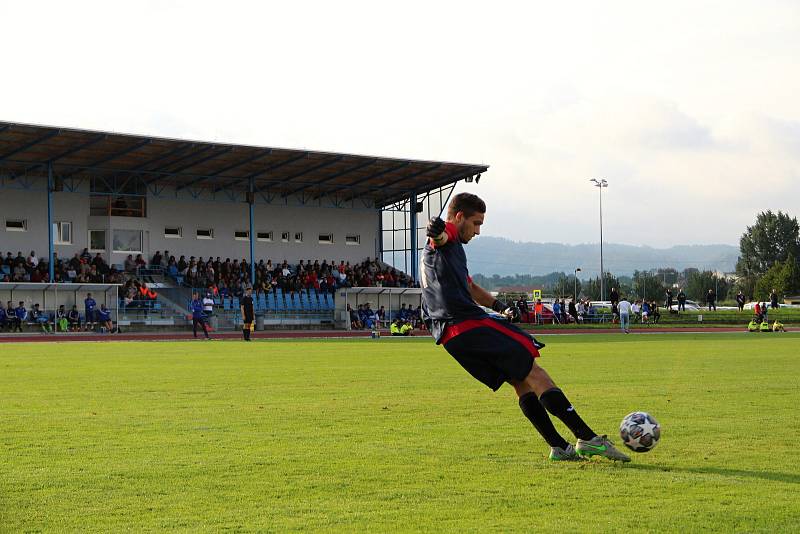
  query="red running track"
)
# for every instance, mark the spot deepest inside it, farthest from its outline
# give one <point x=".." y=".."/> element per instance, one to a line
<point x="305" y="334"/>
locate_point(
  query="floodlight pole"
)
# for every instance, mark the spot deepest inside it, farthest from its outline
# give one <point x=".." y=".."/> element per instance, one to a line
<point x="251" y="201"/>
<point x="600" y="184"/>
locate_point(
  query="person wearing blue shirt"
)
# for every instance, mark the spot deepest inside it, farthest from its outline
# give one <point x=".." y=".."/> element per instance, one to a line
<point x="557" y="311"/>
<point x="21" y="314"/>
<point x="104" y="318"/>
<point x="198" y="316"/>
<point x="89" y="305"/>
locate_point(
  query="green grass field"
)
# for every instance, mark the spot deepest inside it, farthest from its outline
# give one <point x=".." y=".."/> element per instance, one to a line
<point x="391" y="435"/>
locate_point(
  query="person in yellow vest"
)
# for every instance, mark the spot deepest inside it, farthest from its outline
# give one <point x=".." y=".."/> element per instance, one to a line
<point x="765" y="327"/>
<point x="405" y="329"/>
<point x="753" y="325"/>
<point x="778" y="327"/>
<point x="400" y="328"/>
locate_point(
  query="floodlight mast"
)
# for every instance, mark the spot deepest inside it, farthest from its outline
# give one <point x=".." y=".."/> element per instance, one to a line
<point x="600" y="184"/>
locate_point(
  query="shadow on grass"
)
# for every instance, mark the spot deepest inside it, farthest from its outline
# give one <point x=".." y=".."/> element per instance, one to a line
<point x="791" y="478"/>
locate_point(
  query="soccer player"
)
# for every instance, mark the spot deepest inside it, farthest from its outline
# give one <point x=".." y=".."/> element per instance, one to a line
<point x="492" y="350"/>
<point x="198" y="317"/>
<point x="248" y="315"/>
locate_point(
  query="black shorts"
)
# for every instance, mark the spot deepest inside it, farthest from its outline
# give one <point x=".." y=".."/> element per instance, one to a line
<point x="493" y="351"/>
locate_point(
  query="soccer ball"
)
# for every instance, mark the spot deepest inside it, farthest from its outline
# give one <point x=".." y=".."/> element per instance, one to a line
<point x="639" y="431"/>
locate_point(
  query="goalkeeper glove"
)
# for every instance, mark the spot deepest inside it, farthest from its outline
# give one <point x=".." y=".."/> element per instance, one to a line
<point x="435" y="231"/>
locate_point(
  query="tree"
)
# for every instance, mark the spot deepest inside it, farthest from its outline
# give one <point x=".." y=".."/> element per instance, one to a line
<point x="699" y="283"/>
<point x="647" y="286"/>
<point x="592" y="288"/>
<point x="771" y="239"/>
<point x="783" y="277"/>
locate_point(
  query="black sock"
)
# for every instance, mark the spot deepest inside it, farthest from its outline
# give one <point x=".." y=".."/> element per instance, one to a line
<point x="557" y="404"/>
<point x="537" y="415"/>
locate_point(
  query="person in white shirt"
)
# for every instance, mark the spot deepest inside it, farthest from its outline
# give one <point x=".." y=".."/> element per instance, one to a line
<point x="208" y="305"/>
<point x="624" y="308"/>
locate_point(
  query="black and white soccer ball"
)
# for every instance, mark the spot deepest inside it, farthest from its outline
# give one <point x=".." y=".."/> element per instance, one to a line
<point x="640" y="431"/>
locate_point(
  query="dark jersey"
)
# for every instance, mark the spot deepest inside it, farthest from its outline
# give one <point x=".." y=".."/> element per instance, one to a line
<point x="446" y="299"/>
<point x="247" y="304"/>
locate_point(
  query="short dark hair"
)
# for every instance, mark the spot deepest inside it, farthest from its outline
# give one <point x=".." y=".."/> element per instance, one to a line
<point x="466" y="202"/>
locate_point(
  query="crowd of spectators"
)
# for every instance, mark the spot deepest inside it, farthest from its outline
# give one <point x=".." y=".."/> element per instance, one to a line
<point x="232" y="277"/>
<point x="82" y="268"/>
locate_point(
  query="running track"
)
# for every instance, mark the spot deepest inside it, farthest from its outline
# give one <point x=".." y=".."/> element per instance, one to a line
<point x="306" y="334"/>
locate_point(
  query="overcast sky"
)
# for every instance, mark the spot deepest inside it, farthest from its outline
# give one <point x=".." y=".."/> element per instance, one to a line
<point x="691" y="112"/>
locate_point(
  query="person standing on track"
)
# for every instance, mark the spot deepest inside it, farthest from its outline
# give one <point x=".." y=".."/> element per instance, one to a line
<point x="248" y="315"/>
<point x="198" y="317"/>
<point x="492" y="350"/>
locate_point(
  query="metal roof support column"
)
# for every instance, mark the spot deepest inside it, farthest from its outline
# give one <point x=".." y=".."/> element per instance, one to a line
<point x="380" y="235"/>
<point x="412" y="228"/>
<point x="251" y="201"/>
<point x="50" y="184"/>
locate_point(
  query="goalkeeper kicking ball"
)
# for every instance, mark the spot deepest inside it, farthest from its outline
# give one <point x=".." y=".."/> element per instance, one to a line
<point x="640" y="432"/>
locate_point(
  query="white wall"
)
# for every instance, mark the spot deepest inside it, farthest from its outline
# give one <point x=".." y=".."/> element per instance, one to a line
<point x="223" y="217"/>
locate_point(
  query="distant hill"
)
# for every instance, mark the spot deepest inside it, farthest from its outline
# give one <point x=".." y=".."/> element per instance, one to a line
<point x="494" y="255"/>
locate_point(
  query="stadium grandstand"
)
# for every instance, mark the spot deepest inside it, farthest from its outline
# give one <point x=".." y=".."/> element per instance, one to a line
<point x="145" y="221"/>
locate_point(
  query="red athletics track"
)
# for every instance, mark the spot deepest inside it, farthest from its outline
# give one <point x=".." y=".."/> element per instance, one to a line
<point x="308" y="334"/>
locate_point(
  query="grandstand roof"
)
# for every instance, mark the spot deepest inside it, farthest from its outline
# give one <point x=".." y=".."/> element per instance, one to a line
<point x="26" y="149"/>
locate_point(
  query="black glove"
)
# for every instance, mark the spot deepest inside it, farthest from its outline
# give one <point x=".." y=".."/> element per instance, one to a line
<point x="435" y="227"/>
<point x="498" y="306"/>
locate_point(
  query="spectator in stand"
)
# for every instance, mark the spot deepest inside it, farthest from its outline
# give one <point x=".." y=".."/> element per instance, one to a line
<point x="89" y="305"/>
<point x="711" y="300"/>
<point x="157" y="257"/>
<point x="130" y="264"/>
<point x="21" y="314"/>
<point x="624" y="315"/>
<point x="86" y="256"/>
<point x="33" y="261"/>
<point x="74" y="319"/>
<point x="740" y="300"/>
<point x="773" y="298"/>
<point x="140" y="262"/>
<point x="681" y="300"/>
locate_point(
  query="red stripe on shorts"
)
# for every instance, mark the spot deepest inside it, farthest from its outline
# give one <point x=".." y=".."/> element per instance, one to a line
<point x="454" y="330"/>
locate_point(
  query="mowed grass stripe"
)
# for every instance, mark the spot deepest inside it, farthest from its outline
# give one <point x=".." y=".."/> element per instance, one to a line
<point x="391" y="435"/>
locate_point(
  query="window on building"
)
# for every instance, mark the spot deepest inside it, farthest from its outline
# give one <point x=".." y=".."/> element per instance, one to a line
<point x="264" y="236"/>
<point x="16" y="225"/>
<point x="205" y="233"/>
<point x="352" y="239"/>
<point x="173" y="232"/>
<point x="325" y="239"/>
<point x="97" y="240"/>
<point x="62" y="233"/>
<point x="285" y="237"/>
<point x="127" y="241"/>
<point x="298" y="237"/>
<point x="241" y="235"/>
